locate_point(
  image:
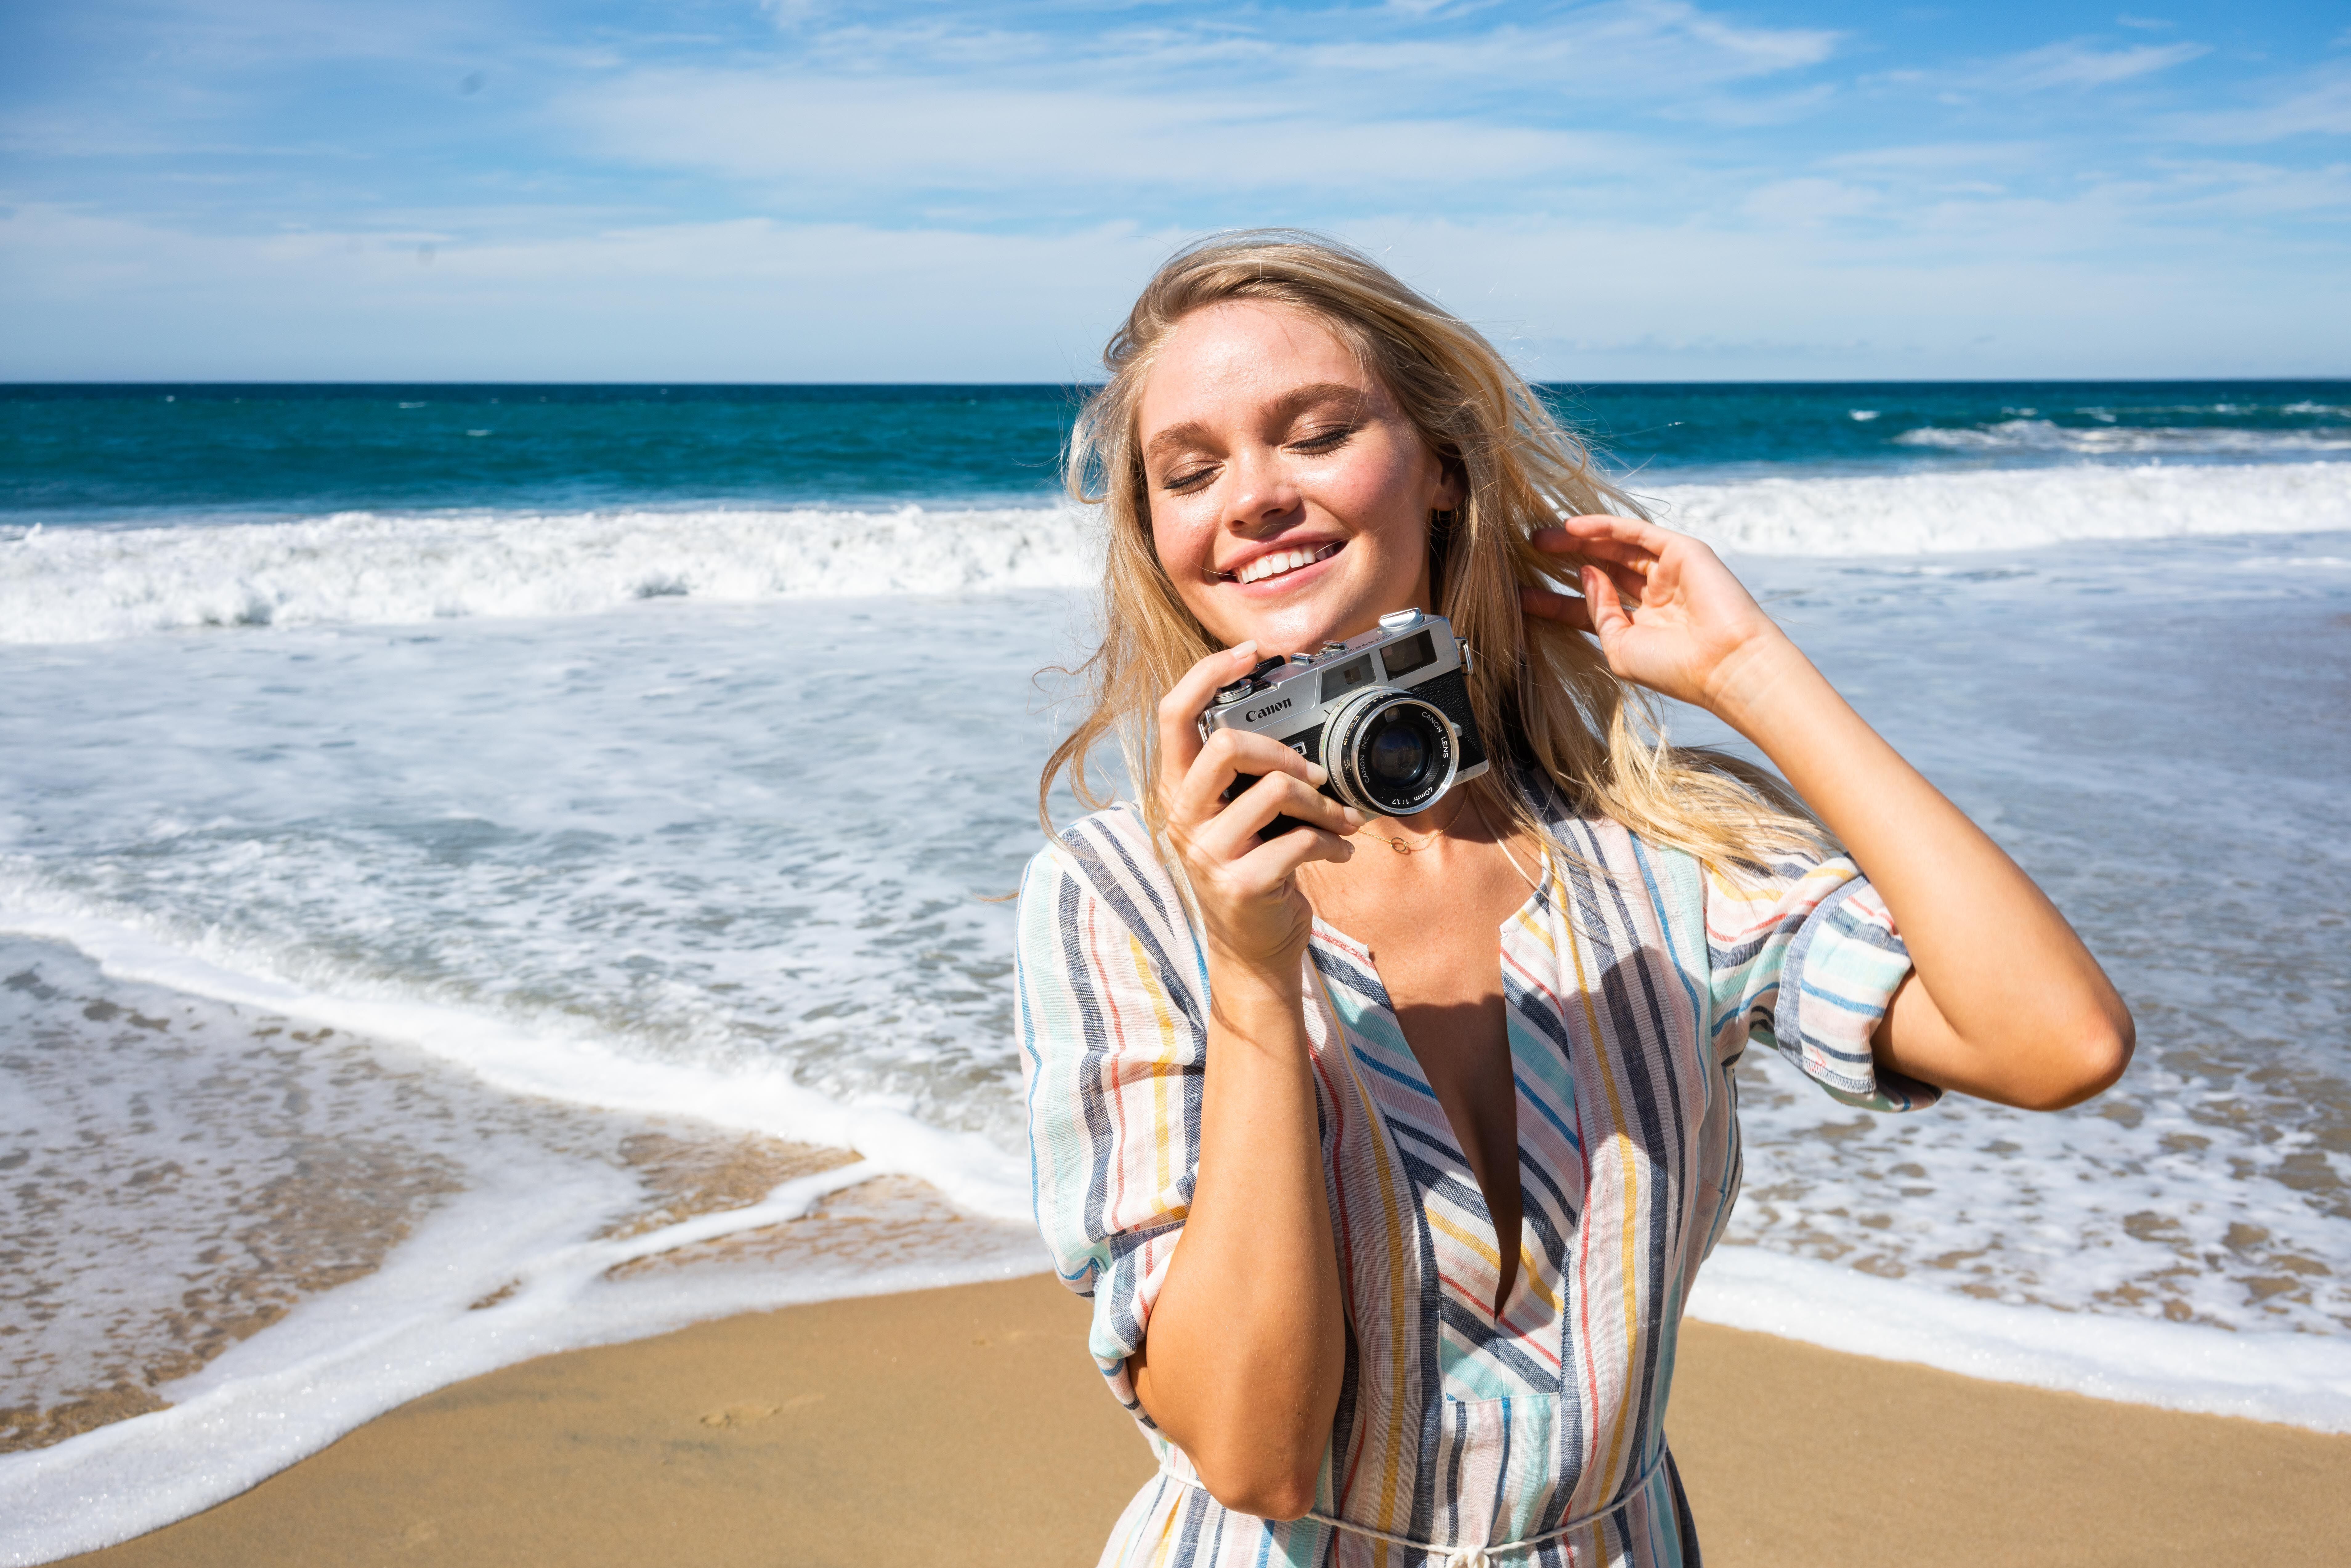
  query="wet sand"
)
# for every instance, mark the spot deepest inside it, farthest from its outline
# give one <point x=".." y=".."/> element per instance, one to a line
<point x="967" y="1425"/>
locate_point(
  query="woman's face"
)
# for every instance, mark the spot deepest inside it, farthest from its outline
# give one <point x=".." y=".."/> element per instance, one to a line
<point x="1290" y="496"/>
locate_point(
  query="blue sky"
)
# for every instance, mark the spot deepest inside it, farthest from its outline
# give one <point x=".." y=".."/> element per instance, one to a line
<point x="1636" y="189"/>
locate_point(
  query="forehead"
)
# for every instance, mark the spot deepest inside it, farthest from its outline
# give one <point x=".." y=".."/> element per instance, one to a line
<point x="1240" y="356"/>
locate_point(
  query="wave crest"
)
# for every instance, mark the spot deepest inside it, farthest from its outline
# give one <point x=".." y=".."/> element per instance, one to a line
<point x="87" y="585"/>
<point x="82" y="585"/>
<point x="1912" y="514"/>
<point x="2126" y="439"/>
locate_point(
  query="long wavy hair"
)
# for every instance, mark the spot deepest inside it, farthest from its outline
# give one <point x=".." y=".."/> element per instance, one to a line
<point x="1543" y="692"/>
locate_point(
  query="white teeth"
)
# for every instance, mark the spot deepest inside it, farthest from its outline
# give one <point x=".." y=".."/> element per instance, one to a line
<point x="1274" y="565"/>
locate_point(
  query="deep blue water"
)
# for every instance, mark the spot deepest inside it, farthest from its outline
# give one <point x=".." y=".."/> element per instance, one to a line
<point x="99" y="453"/>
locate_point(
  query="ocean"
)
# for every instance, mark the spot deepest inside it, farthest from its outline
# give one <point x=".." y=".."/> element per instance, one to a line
<point x="487" y="869"/>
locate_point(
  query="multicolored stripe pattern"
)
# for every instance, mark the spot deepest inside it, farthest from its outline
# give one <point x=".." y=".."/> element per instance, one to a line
<point x="1635" y="980"/>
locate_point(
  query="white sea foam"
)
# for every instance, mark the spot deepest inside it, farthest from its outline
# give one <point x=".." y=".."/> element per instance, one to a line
<point x="968" y="1167"/>
<point x="424" y="1321"/>
<point x="1909" y="514"/>
<point x="80" y="584"/>
<point x="2301" y="1379"/>
<point x="2042" y="436"/>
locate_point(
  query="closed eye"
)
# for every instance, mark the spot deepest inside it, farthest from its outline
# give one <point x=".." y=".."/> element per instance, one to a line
<point x="1325" y="440"/>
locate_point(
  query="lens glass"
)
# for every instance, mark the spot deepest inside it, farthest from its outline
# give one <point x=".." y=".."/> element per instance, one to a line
<point x="1403" y="756"/>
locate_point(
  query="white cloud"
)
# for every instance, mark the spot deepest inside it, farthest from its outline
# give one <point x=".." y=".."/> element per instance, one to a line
<point x="748" y="298"/>
<point x="938" y="111"/>
<point x="1810" y="201"/>
<point x="925" y="134"/>
<point x="2318" y="104"/>
<point x="1943" y="157"/>
<point x="1636" y="45"/>
<point x="933" y="198"/>
<point x="2075" y="64"/>
<point x="1796" y="288"/>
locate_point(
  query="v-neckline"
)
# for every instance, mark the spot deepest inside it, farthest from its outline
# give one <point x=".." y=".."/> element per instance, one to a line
<point x="1497" y="1309"/>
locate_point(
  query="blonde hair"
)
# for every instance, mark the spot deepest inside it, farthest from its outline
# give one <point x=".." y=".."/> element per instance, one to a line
<point x="1543" y="692"/>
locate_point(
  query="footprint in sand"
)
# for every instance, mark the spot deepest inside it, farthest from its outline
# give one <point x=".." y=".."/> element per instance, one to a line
<point x="736" y="1416"/>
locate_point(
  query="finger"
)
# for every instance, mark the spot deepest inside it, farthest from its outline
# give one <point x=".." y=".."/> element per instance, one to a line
<point x="1606" y="526"/>
<point x="1632" y="582"/>
<point x="1200" y="793"/>
<point x="1565" y="608"/>
<point x="1180" y="709"/>
<point x="1609" y="620"/>
<point x="1599" y="530"/>
<point x="1230" y="834"/>
<point x="1617" y="550"/>
<point x="1272" y="864"/>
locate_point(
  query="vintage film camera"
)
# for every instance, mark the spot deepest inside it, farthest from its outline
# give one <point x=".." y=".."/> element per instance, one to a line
<point x="1386" y="713"/>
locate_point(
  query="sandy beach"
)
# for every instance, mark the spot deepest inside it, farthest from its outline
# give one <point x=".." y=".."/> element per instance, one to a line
<point x="966" y="1425"/>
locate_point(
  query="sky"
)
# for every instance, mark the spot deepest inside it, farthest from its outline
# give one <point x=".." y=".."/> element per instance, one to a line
<point x="1633" y="190"/>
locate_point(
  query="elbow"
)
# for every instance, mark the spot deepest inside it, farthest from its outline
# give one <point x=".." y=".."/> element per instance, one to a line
<point x="2085" y="1062"/>
<point x="1264" y="1484"/>
<point x="1274" y="1494"/>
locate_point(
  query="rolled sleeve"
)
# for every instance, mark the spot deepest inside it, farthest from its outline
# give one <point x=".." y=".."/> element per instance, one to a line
<point x="1113" y="1042"/>
<point x="1805" y="959"/>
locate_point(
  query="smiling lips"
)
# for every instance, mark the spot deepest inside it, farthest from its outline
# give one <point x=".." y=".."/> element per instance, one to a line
<point x="1281" y="561"/>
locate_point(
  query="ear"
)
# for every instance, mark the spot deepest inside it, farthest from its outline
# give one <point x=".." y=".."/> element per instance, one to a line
<point x="1452" y="488"/>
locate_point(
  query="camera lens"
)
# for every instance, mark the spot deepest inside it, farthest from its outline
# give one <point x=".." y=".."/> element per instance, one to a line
<point x="1397" y="753"/>
<point x="1393" y="752"/>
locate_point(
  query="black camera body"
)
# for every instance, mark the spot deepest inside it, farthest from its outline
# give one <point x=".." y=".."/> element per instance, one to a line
<point x="1387" y="713"/>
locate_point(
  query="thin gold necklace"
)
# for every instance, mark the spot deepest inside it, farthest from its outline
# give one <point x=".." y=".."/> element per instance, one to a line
<point x="1396" y="842"/>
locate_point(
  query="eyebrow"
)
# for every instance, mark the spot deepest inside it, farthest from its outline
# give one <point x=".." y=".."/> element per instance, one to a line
<point x="1286" y="407"/>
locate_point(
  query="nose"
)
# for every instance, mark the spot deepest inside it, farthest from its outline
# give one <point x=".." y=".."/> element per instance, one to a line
<point x="1263" y="494"/>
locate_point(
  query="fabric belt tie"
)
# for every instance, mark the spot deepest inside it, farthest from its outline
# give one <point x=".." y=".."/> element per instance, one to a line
<point x="1471" y="1556"/>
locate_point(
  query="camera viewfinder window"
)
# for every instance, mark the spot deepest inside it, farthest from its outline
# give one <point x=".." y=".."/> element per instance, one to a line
<point x="1354" y="673"/>
<point x="1402" y="658"/>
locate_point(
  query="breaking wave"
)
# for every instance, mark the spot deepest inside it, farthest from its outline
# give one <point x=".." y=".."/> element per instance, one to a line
<point x="2042" y="436"/>
<point x="85" y="585"/>
<point x="88" y="584"/>
<point x="2015" y="509"/>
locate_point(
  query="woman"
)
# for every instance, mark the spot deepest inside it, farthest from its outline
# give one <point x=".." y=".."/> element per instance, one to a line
<point x="1441" y="1110"/>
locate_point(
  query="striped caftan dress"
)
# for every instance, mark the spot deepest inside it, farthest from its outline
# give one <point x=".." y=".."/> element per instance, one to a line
<point x="1633" y="979"/>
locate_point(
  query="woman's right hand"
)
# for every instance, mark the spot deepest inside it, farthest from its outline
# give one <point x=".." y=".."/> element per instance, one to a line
<point x="1247" y="887"/>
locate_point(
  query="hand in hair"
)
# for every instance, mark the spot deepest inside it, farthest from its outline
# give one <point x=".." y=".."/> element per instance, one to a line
<point x="1665" y="610"/>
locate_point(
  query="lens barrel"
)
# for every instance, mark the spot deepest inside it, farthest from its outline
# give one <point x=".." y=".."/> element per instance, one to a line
<point x="1389" y="752"/>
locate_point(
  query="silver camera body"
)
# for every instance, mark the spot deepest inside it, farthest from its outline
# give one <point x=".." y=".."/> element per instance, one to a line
<point x="1387" y="713"/>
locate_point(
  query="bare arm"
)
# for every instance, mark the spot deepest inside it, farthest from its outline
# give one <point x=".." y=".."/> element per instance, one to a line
<point x="2005" y="1002"/>
<point x="1245" y="1345"/>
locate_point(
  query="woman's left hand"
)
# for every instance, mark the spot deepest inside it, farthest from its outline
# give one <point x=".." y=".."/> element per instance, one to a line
<point x="2008" y="1005"/>
<point x="1667" y="613"/>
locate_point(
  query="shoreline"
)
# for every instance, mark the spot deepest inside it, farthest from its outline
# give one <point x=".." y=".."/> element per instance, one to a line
<point x="967" y="1421"/>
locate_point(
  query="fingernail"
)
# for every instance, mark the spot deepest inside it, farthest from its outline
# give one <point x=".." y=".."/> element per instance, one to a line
<point x="1354" y="818"/>
<point x="1317" y="775"/>
<point x="1243" y="650"/>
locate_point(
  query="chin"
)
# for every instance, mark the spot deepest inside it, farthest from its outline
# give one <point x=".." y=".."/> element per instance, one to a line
<point x="1288" y="629"/>
<point x="1334" y="599"/>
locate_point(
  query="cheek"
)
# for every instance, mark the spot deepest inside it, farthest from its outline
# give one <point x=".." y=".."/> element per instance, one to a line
<point x="1184" y="548"/>
<point x="1179" y="546"/>
<point x="1387" y="501"/>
